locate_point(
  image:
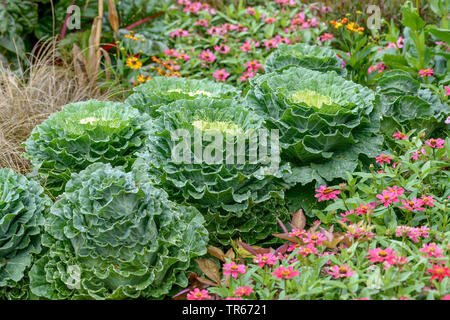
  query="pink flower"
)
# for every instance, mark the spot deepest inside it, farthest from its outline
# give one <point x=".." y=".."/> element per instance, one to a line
<point x="448" y="120"/>
<point x="446" y="297"/>
<point x="428" y="200"/>
<point x="265" y="259"/>
<point x="383" y="158"/>
<point x="381" y="255"/>
<point x="447" y="90"/>
<point x="412" y="233"/>
<point x="247" y="46"/>
<point x="426" y="72"/>
<point x="325" y="37"/>
<point x="416" y="155"/>
<point x="324" y="193"/>
<point x="247" y="75"/>
<point x="396" y="190"/>
<point x="270" y="20"/>
<point x="285" y="273"/>
<point x="400" y="136"/>
<point x="314" y="238"/>
<point x="222" y="48"/>
<point x="207" y="56"/>
<point x="202" y="23"/>
<point x="233" y="298"/>
<point x="341" y="271"/>
<point x="253" y="65"/>
<point x="221" y="75"/>
<point x="307" y="250"/>
<point x="435" y="143"/>
<point x="432" y="250"/>
<point x="198" y="294"/>
<point x="243" y="291"/>
<point x="269" y="44"/>
<point x="387" y="197"/>
<point x="251" y="11"/>
<point x="411" y="205"/>
<point x="365" y="208"/>
<point x="439" y="272"/>
<point x="234" y="269"/>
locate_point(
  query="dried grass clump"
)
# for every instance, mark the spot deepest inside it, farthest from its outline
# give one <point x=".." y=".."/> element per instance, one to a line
<point x="27" y="98"/>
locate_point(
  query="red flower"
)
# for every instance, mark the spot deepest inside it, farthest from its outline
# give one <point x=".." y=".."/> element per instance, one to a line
<point x="439" y="272"/>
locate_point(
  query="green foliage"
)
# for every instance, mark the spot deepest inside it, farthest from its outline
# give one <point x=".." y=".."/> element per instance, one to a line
<point x="405" y="105"/>
<point x="81" y="134"/>
<point x="325" y="122"/>
<point x="306" y="56"/>
<point x="22" y="207"/>
<point x="17" y="20"/>
<point x="111" y="238"/>
<point x="150" y="96"/>
<point x="223" y="191"/>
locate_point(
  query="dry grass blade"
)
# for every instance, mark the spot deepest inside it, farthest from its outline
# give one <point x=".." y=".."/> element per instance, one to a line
<point x="113" y="17"/>
<point x="29" y="97"/>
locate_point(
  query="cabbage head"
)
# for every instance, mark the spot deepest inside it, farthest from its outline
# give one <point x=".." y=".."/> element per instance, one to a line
<point x="406" y="105"/>
<point x="22" y="207"/>
<point x="325" y="122"/>
<point x="81" y="134"/>
<point x="226" y="192"/>
<point x="111" y="238"/>
<point x="306" y="56"/>
<point x="162" y="90"/>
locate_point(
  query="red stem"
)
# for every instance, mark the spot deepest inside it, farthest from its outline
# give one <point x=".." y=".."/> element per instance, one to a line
<point x="64" y="27"/>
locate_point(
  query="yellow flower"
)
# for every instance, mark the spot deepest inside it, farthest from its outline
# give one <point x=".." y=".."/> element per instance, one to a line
<point x="338" y="25"/>
<point x="141" y="78"/>
<point x="358" y="12"/>
<point x="134" y="63"/>
<point x="131" y="37"/>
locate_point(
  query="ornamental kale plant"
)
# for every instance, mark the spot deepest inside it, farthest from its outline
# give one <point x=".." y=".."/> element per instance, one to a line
<point x="111" y="238"/>
<point x="163" y="90"/>
<point x="22" y="207"/>
<point x="81" y="134"/>
<point x="231" y="192"/>
<point x="306" y="56"/>
<point x="407" y="104"/>
<point x="326" y="123"/>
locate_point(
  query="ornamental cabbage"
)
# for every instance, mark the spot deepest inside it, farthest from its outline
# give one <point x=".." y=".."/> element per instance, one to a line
<point x="227" y="191"/>
<point x="405" y="105"/>
<point x="111" y="238"/>
<point x="163" y="90"/>
<point x="81" y="134"/>
<point x="325" y="122"/>
<point x="22" y="204"/>
<point x="303" y="55"/>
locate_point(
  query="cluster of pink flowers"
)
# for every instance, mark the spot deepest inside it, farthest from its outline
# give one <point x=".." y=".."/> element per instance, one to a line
<point x="398" y="44"/>
<point x="196" y="7"/>
<point x="325" y="193"/>
<point x="286" y="2"/>
<point x="202" y="23"/>
<point x="176" y="54"/>
<point x="390" y="195"/>
<point x="387" y="256"/>
<point x="380" y="67"/>
<point x="416" y="154"/>
<point x="412" y="232"/>
<point x="299" y="21"/>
